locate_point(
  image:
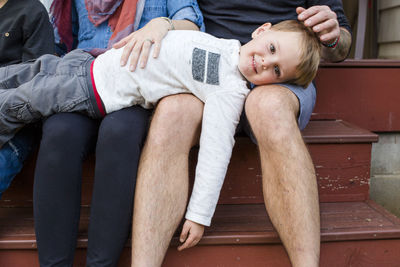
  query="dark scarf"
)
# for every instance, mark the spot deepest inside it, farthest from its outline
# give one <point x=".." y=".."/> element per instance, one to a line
<point x="120" y="15"/>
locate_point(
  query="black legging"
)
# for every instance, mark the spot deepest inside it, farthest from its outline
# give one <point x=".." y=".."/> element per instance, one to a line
<point x="67" y="139"/>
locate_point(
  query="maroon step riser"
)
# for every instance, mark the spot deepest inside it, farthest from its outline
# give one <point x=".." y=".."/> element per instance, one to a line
<point x="383" y="253"/>
<point x="368" y="253"/>
<point x="342" y="171"/>
<point x="29" y="258"/>
<point x="366" y="97"/>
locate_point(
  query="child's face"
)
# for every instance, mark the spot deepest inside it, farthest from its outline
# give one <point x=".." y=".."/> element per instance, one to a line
<point x="271" y="57"/>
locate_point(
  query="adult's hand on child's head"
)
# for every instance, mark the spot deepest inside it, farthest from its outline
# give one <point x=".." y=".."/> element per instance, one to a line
<point x="138" y="43"/>
<point x="195" y="232"/>
<point x="322" y="20"/>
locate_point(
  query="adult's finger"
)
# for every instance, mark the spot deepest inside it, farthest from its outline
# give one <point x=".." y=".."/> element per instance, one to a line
<point x="299" y="10"/>
<point x="127" y="51"/>
<point x="156" y="48"/>
<point x="144" y="54"/>
<point x="121" y="42"/>
<point x="330" y="35"/>
<point x="326" y="26"/>
<point x="135" y="55"/>
<point x="320" y="17"/>
<point x="308" y="12"/>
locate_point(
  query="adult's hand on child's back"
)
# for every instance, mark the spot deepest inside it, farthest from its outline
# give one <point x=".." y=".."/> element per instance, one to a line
<point x="322" y="20"/>
<point x="191" y="234"/>
<point x="138" y="43"/>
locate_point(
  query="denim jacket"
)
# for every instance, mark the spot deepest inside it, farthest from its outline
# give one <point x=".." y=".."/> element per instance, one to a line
<point x="87" y="36"/>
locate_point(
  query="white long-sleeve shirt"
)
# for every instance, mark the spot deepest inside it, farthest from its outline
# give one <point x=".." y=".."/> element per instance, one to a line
<point x="189" y="62"/>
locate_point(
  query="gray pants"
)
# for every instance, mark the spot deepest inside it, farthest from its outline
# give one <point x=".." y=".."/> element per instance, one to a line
<point x="36" y="89"/>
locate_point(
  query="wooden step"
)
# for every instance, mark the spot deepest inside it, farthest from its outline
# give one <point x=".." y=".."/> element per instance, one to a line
<point x="352" y="234"/>
<point x="341" y="154"/>
<point x="363" y="92"/>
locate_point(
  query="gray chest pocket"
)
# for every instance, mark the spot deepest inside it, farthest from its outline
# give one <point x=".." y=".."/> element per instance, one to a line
<point x="205" y="66"/>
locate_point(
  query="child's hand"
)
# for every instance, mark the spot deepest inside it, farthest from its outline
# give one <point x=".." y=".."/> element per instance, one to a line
<point x="195" y="232"/>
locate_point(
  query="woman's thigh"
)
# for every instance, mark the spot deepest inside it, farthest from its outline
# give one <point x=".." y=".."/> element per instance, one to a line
<point x="120" y="139"/>
<point x="67" y="138"/>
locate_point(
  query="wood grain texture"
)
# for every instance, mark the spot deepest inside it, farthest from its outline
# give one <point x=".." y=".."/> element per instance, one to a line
<point x="367" y="96"/>
<point x="340" y="152"/>
<point x="246" y="224"/>
<point x="365" y="253"/>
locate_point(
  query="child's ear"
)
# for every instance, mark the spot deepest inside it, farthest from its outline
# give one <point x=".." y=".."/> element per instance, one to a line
<point x="261" y="29"/>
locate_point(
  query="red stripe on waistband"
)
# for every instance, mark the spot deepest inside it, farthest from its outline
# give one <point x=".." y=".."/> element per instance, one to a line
<point x="96" y="94"/>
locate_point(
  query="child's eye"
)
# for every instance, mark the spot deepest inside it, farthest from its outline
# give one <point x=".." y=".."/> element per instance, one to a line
<point x="272" y="48"/>
<point x="277" y="71"/>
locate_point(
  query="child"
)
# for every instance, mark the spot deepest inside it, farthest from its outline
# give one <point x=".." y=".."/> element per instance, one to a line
<point x="216" y="71"/>
<point x="25" y="34"/>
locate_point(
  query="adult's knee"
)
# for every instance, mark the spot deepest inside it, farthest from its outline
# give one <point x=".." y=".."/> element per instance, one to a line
<point x="124" y="128"/>
<point x="272" y="112"/>
<point x="180" y="110"/>
<point x="66" y="140"/>
<point x="68" y="133"/>
<point x="176" y="119"/>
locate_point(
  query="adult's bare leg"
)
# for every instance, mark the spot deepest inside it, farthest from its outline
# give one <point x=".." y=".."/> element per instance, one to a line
<point x="289" y="181"/>
<point x="162" y="183"/>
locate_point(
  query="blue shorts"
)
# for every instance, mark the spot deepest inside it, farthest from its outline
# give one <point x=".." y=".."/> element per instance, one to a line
<point x="306" y="99"/>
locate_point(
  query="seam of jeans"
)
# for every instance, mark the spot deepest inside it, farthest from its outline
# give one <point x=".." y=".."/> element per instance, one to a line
<point x="14" y="148"/>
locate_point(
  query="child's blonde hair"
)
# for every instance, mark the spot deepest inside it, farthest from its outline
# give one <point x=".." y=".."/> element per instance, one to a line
<point x="310" y="51"/>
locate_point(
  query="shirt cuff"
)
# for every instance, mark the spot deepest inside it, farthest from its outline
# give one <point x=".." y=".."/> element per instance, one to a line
<point x="203" y="220"/>
<point x="189" y="13"/>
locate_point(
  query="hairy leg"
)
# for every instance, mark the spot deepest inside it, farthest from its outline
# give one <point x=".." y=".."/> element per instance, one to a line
<point x="162" y="183"/>
<point x="289" y="182"/>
